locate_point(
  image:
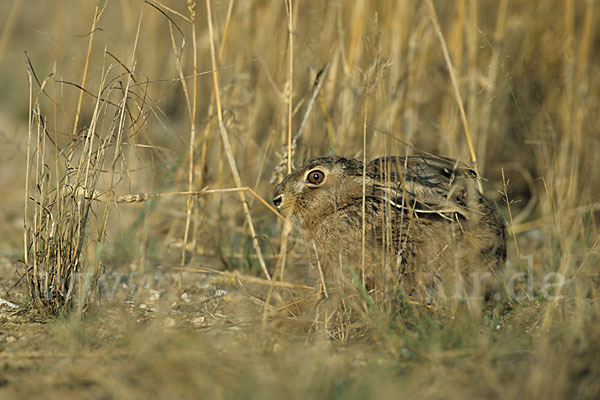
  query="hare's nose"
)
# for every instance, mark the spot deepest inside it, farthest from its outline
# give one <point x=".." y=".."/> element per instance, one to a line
<point x="277" y="200"/>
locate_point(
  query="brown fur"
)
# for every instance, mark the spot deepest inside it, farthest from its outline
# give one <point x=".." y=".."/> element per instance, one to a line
<point x="428" y="230"/>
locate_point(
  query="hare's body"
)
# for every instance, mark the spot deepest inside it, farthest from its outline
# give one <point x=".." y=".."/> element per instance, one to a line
<point x="427" y="227"/>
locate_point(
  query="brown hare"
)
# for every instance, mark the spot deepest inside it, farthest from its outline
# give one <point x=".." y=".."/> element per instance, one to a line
<point x="428" y="231"/>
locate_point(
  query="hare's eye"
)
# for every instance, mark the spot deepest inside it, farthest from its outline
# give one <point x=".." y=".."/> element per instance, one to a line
<point x="315" y="177"/>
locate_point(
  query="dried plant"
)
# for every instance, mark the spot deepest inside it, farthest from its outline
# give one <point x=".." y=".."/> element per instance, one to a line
<point x="155" y="129"/>
<point x="67" y="199"/>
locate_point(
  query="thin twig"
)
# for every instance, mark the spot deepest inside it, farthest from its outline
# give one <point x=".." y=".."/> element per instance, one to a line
<point x="225" y="30"/>
<point x="159" y="6"/>
<point x="364" y="188"/>
<point x="280" y="267"/>
<point x="227" y="144"/>
<point x="457" y="95"/>
<point x="97" y="14"/>
<point x="141" y="197"/>
<point x="190" y="199"/>
<point x="251" y="279"/>
<point x="321" y="275"/>
<point x="28" y="165"/>
<point x="290" y="6"/>
<point x="514" y="235"/>
<point x="321" y="76"/>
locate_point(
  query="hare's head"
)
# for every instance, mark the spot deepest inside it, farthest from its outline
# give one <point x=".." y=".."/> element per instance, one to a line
<point x="319" y="188"/>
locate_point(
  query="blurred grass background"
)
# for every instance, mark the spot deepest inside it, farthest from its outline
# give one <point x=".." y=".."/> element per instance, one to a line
<point x="529" y="76"/>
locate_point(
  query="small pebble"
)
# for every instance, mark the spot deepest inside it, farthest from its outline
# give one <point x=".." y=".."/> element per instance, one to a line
<point x="155" y="296"/>
<point x="8" y="303"/>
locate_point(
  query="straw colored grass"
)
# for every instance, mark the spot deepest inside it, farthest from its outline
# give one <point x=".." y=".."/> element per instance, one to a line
<point x="140" y="142"/>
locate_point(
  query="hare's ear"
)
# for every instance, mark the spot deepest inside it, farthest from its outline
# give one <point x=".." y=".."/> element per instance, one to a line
<point x="421" y="184"/>
<point x="389" y="168"/>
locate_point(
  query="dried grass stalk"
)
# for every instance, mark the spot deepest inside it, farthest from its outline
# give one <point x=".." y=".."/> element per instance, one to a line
<point x="62" y="253"/>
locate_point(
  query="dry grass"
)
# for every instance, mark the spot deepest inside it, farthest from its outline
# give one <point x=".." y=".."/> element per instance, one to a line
<point x="154" y="129"/>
